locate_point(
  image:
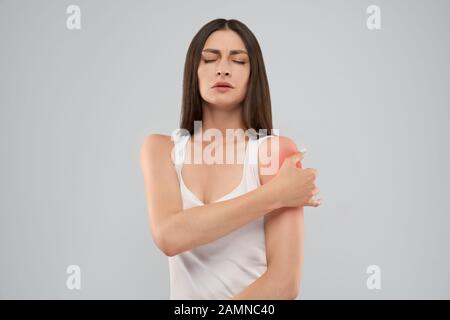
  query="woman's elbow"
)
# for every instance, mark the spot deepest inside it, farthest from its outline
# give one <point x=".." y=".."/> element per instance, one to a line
<point x="163" y="243"/>
<point x="287" y="286"/>
<point x="166" y="249"/>
<point x="291" y="286"/>
<point x="293" y="290"/>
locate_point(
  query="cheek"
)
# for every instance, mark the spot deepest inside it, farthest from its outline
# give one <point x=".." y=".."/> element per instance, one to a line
<point x="201" y="74"/>
<point x="244" y="76"/>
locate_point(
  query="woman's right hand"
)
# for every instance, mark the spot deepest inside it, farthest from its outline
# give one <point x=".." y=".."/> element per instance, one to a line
<point x="294" y="186"/>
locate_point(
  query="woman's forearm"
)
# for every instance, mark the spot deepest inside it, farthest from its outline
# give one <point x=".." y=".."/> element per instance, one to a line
<point x="199" y="225"/>
<point x="266" y="287"/>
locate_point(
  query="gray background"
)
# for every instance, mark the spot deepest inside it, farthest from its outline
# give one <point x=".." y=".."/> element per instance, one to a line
<point x="370" y="106"/>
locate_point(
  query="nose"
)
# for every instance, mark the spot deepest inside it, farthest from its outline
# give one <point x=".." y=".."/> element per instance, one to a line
<point x="223" y="68"/>
<point x="225" y="73"/>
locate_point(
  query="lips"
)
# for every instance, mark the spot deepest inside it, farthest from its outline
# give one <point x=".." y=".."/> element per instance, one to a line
<point x="222" y="84"/>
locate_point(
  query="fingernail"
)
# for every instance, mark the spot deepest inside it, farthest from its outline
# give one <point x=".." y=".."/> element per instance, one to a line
<point x="303" y="150"/>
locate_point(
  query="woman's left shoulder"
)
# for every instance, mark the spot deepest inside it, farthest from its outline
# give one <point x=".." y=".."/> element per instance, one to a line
<point x="272" y="152"/>
<point x="277" y="143"/>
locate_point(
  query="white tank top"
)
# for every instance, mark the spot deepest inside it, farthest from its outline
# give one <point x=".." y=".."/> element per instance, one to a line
<point x="222" y="268"/>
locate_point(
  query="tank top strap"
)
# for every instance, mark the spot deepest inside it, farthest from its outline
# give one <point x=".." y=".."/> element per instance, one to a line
<point x="254" y="156"/>
<point x="180" y="139"/>
<point x="252" y="151"/>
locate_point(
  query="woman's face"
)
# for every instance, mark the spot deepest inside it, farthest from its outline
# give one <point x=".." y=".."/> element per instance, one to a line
<point x="224" y="58"/>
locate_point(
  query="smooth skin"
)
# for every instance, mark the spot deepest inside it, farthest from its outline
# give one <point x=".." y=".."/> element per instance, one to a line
<point x="284" y="235"/>
<point x="280" y="198"/>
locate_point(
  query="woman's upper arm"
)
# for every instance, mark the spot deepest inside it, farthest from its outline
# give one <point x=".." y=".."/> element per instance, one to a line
<point x="161" y="183"/>
<point x="284" y="229"/>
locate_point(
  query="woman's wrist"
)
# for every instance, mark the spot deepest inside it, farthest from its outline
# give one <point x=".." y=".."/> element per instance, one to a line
<point x="269" y="197"/>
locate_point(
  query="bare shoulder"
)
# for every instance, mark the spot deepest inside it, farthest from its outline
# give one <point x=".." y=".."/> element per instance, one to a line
<point x="271" y="153"/>
<point x="156" y="142"/>
<point x="156" y="148"/>
<point x="274" y="143"/>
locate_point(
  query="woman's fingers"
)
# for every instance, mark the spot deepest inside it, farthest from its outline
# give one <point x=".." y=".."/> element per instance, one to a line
<point x="315" y="200"/>
<point x="296" y="157"/>
<point x="313" y="203"/>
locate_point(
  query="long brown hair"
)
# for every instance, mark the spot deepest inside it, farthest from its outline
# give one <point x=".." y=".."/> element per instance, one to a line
<point x="256" y="108"/>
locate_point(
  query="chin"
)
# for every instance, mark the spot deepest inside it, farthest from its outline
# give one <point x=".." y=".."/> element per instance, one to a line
<point x="222" y="102"/>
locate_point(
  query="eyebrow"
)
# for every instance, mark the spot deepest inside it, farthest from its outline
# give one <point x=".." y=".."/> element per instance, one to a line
<point x="232" y="52"/>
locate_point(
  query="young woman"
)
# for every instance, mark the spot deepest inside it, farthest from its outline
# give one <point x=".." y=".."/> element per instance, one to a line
<point x="230" y="231"/>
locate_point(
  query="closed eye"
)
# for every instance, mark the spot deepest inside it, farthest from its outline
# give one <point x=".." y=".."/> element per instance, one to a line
<point x="240" y="62"/>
